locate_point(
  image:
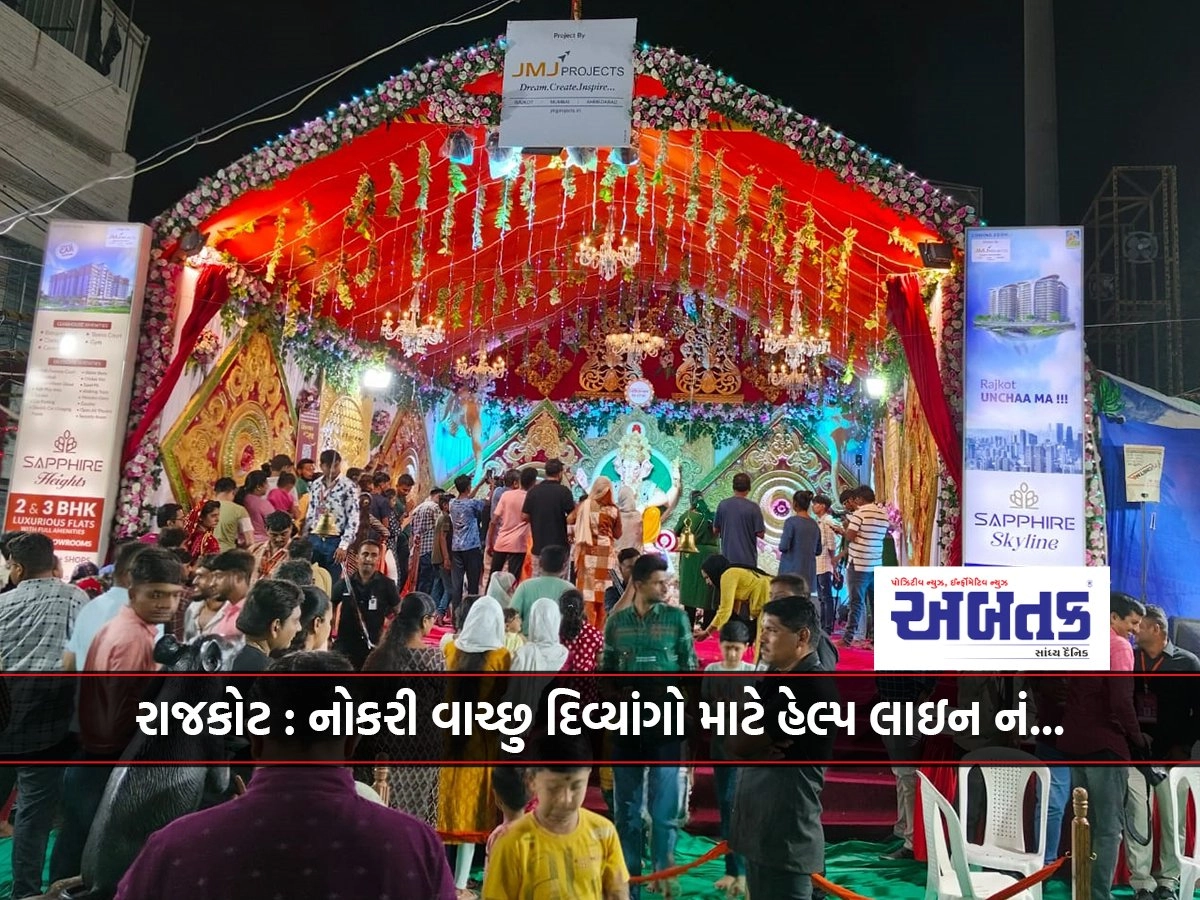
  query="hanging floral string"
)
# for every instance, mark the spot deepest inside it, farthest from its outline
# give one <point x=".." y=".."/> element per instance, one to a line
<point x="368" y="272"/>
<point x="742" y="223"/>
<point x="660" y="158"/>
<point x="308" y="226"/>
<point x="528" y="186"/>
<point x="692" y="210"/>
<point x="568" y="182"/>
<point x="718" y="209"/>
<point x="526" y="289"/>
<point x="670" y="193"/>
<point x="456" y="306"/>
<point x="418" y="249"/>
<point x="424" y="176"/>
<point x="609" y="181"/>
<point x="775" y="225"/>
<point x="477" y="216"/>
<point x="477" y="304"/>
<point x="395" y="192"/>
<point x="504" y="210"/>
<point x="362" y="207"/>
<point x="642" y="206"/>
<point x="277" y="248"/>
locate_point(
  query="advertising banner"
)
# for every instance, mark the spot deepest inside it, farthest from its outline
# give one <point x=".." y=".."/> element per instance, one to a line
<point x="568" y="84"/>
<point x="1023" y="404"/>
<point x="1143" y="473"/>
<point x="992" y="619"/>
<point x="78" y="385"/>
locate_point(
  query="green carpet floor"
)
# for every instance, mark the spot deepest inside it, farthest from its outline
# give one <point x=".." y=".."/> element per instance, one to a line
<point x="856" y="865"/>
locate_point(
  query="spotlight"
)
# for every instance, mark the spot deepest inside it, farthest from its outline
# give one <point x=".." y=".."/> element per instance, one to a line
<point x="503" y="162"/>
<point x="376" y="379"/>
<point x="876" y="386"/>
<point x="459" y="148"/>
<point x="582" y="158"/>
<point x="623" y="156"/>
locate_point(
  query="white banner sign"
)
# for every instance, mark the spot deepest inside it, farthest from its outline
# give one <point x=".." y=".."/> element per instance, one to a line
<point x="1143" y="473"/>
<point x="1023" y="402"/>
<point x="78" y="385"/>
<point x="992" y="619"/>
<point x="568" y="84"/>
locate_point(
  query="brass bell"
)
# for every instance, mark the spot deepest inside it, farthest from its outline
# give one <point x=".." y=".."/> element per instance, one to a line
<point x="687" y="540"/>
<point x="326" y="527"/>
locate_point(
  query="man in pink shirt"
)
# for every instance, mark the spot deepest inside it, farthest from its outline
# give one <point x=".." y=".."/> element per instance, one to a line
<point x="298" y="831"/>
<point x="1125" y="614"/>
<point x="509" y="533"/>
<point x="231" y="574"/>
<point x="108" y="706"/>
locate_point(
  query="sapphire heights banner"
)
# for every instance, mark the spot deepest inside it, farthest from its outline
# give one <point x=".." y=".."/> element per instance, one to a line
<point x="1023" y="487"/>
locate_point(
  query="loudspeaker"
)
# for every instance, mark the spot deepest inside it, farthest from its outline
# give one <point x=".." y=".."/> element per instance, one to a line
<point x="1185" y="633"/>
<point x="935" y="255"/>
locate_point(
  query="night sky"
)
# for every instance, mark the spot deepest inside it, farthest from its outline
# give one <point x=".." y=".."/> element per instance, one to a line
<point x="938" y="90"/>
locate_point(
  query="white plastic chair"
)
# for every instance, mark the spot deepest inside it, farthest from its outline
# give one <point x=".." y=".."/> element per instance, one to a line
<point x="1184" y="779"/>
<point x="949" y="876"/>
<point x="1003" y="847"/>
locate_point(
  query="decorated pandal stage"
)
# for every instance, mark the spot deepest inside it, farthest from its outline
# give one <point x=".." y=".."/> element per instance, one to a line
<point x="713" y="300"/>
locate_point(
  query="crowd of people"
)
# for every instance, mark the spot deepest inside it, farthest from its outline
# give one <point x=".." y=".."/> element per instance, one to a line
<point x="306" y="569"/>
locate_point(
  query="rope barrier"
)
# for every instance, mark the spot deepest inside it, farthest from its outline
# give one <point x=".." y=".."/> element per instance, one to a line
<point x="718" y="851"/>
<point x="1029" y="880"/>
<point x="1011" y="891"/>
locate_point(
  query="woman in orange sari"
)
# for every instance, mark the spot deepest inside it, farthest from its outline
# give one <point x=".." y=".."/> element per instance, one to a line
<point x="597" y="523"/>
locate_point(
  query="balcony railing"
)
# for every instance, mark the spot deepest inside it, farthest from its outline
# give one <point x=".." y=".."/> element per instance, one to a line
<point x="96" y="31"/>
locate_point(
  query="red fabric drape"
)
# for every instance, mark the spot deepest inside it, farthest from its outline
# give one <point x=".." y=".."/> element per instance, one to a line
<point x="906" y="313"/>
<point x="212" y="290"/>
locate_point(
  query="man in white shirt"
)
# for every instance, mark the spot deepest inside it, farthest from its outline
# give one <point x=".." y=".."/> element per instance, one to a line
<point x="826" y="560"/>
<point x="866" y="530"/>
<point x="99" y="612"/>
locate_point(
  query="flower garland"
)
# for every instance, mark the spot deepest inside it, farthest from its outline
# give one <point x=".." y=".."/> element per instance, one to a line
<point x="950" y="361"/>
<point x="1095" y="513"/>
<point x="204" y="354"/>
<point x="695" y="92"/>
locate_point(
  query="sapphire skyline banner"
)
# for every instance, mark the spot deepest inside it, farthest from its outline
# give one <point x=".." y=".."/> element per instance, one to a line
<point x="1023" y="485"/>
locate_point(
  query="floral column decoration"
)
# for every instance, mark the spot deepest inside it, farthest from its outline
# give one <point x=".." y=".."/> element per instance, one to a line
<point x="1096" y="549"/>
<point x="950" y="350"/>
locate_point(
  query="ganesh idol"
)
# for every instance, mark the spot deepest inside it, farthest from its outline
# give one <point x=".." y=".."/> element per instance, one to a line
<point x="641" y="501"/>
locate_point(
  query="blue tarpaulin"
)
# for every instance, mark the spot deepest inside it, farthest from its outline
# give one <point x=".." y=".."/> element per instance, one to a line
<point x="1169" y="531"/>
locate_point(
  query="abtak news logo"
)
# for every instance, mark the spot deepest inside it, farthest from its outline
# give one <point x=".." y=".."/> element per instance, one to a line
<point x="956" y="611"/>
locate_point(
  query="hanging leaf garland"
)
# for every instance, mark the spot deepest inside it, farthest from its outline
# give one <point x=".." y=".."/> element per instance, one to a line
<point x="775" y="230"/>
<point x="423" y="177"/>
<point x="742" y="223"/>
<point x="504" y="210"/>
<point x="718" y="209"/>
<point x="692" y="210"/>
<point x="568" y="182"/>
<point x="526" y="288"/>
<point x="458" y="179"/>
<point x="442" y="309"/>
<point x="477" y="217"/>
<point x="371" y="269"/>
<point x="500" y="296"/>
<point x="670" y="193"/>
<point x="418" y="249"/>
<point x="456" y="306"/>
<point x="308" y="226"/>
<point x="362" y="207"/>
<point x="660" y="158"/>
<point x="528" y="186"/>
<point x="395" y="192"/>
<point x="277" y="248"/>
<point x="661" y="245"/>
<point x="342" y="286"/>
<point x="791" y="274"/>
<point x="609" y="181"/>
<point x="642" y="206"/>
<point x="477" y="305"/>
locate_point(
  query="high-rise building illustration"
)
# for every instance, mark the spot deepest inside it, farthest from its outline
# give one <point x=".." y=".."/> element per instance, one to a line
<point x="1050" y="299"/>
<point x="94" y="281"/>
<point x="1040" y="300"/>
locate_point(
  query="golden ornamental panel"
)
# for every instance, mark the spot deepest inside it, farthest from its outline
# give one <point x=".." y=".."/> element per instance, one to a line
<point x="346" y="427"/>
<point x="708" y="372"/>
<point x="239" y="418"/>
<point x="543" y="367"/>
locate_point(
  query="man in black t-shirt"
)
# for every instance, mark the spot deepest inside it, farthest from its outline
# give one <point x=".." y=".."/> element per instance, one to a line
<point x="776" y="822"/>
<point x="359" y="625"/>
<point x="546" y="508"/>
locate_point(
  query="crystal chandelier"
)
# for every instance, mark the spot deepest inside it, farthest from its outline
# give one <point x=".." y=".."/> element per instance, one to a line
<point x="792" y="379"/>
<point x="478" y="369"/>
<point x="635" y="345"/>
<point x="607" y="258"/>
<point x="413" y="335"/>
<point x="797" y="346"/>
